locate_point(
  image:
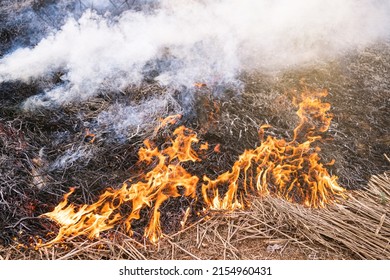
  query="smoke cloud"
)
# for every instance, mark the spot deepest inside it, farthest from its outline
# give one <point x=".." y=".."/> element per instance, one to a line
<point x="71" y="156"/>
<point x="183" y="42"/>
<point x="122" y="122"/>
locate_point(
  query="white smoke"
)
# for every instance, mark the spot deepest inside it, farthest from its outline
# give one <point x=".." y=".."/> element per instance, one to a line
<point x="117" y="4"/>
<point x="192" y="41"/>
<point x="72" y="156"/>
<point x="101" y="4"/>
<point x="127" y="121"/>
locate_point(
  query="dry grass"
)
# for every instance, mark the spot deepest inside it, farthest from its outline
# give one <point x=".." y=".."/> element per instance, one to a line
<point x="31" y="142"/>
<point x="358" y="228"/>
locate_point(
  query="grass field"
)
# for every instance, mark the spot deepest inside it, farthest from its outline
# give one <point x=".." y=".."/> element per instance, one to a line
<point x="93" y="145"/>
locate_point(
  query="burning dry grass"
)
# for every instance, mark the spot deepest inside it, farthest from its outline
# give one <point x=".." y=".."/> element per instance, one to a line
<point x="272" y="228"/>
<point x="288" y="169"/>
<point x="358" y="228"/>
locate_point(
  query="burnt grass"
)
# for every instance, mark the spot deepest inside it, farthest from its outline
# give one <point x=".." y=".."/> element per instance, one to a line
<point x="30" y="141"/>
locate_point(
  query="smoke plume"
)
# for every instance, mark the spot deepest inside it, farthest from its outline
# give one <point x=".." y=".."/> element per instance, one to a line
<point x="108" y="46"/>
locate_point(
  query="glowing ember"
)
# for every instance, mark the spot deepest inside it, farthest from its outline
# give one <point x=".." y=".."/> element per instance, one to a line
<point x="286" y="169"/>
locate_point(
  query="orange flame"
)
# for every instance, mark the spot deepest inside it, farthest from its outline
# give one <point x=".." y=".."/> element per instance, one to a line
<point x="287" y="169"/>
<point x="167" y="121"/>
<point x="159" y="184"/>
<point x="89" y="137"/>
<point x="200" y="85"/>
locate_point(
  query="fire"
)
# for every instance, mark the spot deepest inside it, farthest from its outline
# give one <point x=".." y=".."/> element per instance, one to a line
<point x="89" y="137"/>
<point x="291" y="170"/>
<point x="166" y="180"/>
<point x="200" y="85"/>
<point x="170" y="120"/>
<point x="288" y="169"/>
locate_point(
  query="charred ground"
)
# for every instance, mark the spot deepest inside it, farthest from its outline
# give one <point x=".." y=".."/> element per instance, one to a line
<point x="31" y="142"/>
